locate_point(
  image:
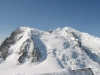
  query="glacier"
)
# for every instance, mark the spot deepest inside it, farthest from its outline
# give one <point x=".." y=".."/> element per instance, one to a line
<point x="63" y="51"/>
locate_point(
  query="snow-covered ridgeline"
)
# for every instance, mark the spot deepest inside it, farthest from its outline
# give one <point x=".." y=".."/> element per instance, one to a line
<point x="51" y="51"/>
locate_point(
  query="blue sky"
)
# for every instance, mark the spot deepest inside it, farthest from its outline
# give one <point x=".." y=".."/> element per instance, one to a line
<point x="83" y="15"/>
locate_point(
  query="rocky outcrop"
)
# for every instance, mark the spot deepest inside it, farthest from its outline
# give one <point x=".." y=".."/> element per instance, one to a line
<point x="4" y="47"/>
<point x="29" y="51"/>
<point x="86" y="71"/>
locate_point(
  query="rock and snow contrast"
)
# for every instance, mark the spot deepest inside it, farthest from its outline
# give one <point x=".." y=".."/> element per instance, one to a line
<point x="64" y="51"/>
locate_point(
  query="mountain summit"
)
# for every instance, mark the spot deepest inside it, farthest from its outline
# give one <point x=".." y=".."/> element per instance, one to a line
<point x="63" y="51"/>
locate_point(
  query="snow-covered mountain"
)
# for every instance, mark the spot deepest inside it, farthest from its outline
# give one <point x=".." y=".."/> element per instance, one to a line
<point x="64" y="51"/>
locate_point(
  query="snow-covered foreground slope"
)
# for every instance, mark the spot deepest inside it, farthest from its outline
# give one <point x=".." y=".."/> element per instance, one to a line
<point x="30" y="51"/>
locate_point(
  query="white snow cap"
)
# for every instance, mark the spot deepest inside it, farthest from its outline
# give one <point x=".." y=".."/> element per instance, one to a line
<point x="64" y="51"/>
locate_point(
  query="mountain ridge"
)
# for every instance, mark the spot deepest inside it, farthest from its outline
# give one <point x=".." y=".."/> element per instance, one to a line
<point x="53" y="50"/>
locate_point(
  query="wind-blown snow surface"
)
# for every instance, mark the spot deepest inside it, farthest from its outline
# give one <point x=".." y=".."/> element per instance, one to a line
<point x="64" y="48"/>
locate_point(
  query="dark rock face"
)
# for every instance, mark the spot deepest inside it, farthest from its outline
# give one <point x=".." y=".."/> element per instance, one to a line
<point x="8" y="42"/>
<point x="50" y="31"/>
<point x="86" y="71"/>
<point x="29" y="51"/>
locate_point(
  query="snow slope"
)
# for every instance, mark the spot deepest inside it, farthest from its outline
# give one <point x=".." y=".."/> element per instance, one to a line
<point x="62" y="49"/>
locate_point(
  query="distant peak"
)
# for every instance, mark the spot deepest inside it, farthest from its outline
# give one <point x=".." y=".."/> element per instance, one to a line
<point x="66" y="29"/>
